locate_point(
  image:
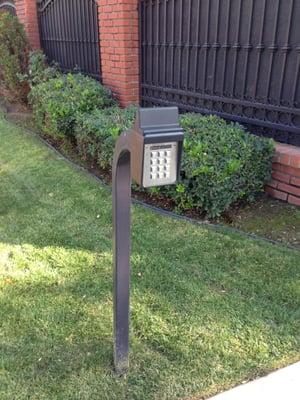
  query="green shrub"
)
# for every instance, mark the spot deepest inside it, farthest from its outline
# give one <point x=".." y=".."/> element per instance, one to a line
<point x="57" y="102"/>
<point x="14" y="50"/>
<point x="96" y="133"/>
<point x="222" y="164"/>
<point x="38" y="69"/>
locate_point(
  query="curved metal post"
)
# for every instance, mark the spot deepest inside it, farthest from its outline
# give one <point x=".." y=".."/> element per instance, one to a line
<point x="121" y="222"/>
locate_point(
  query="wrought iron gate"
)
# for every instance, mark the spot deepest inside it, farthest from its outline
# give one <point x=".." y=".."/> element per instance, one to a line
<point x="8" y="5"/>
<point x="239" y="59"/>
<point x="69" y="34"/>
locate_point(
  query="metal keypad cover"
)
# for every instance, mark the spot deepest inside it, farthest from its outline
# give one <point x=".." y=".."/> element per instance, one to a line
<point x="160" y="164"/>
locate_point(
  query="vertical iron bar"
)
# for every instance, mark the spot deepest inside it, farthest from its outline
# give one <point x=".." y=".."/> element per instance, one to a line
<point x="74" y="23"/>
<point x="145" y="42"/>
<point x="215" y="48"/>
<point x="45" y="21"/>
<point x="87" y="24"/>
<point x="151" y="42"/>
<point x="49" y="30"/>
<point x="188" y="46"/>
<point x="71" y="37"/>
<point x="271" y="58"/>
<point x="236" y="49"/>
<point x="173" y="43"/>
<point x="52" y="29"/>
<point x="55" y="32"/>
<point x="77" y="17"/>
<point x="180" y="44"/>
<point x="66" y="33"/>
<point x="94" y="38"/>
<point x="247" y="50"/>
<point x="285" y="54"/>
<point x="157" y="44"/>
<point x="226" y="48"/>
<point x="84" y="27"/>
<point x="66" y="36"/>
<point x="260" y="48"/>
<point x="73" y="34"/>
<point x="165" y="45"/>
<point x="197" y="44"/>
<point x="61" y="33"/>
<point x="91" y="37"/>
<point x="63" y="38"/>
<point x="98" y="41"/>
<point x="205" y="49"/>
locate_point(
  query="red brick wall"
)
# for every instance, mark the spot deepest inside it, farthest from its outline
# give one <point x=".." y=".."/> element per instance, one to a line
<point x="285" y="184"/>
<point x="27" y="14"/>
<point x="119" y="43"/>
<point x="119" y="48"/>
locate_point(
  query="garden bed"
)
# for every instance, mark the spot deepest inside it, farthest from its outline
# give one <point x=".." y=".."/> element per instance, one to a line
<point x="266" y="217"/>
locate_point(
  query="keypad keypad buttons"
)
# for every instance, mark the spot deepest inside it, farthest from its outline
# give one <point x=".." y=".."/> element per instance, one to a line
<point x="160" y="164"/>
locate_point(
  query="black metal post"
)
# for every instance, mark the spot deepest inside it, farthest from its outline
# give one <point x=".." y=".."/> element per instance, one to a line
<point x="156" y="138"/>
<point x="121" y="223"/>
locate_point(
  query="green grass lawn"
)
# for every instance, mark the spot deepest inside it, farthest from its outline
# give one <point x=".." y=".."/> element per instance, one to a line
<point x="209" y="309"/>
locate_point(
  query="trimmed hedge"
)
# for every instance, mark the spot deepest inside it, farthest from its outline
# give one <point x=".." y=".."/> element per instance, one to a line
<point x="96" y="133"/>
<point x="14" y="49"/>
<point x="221" y="165"/>
<point x="56" y="103"/>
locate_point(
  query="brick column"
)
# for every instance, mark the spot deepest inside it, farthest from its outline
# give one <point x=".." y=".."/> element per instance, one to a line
<point x="27" y="14"/>
<point x="119" y="48"/>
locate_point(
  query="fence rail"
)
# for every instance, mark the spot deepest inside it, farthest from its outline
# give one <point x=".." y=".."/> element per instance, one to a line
<point x="239" y="59"/>
<point x="69" y="34"/>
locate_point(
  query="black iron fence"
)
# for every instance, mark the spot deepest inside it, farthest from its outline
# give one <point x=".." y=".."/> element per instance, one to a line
<point x="69" y="34"/>
<point x="8" y="5"/>
<point x="239" y="59"/>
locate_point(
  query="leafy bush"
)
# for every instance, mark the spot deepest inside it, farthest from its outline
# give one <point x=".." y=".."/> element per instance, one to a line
<point x="14" y="50"/>
<point x="222" y="164"/>
<point x="38" y="69"/>
<point x="57" y="102"/>
<point x="96" y="133"/>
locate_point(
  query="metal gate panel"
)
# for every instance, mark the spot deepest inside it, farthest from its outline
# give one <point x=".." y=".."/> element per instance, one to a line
<point x="69" y="34"/>
<point x="239" y="59"/>
<point x="9" y="6"/>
